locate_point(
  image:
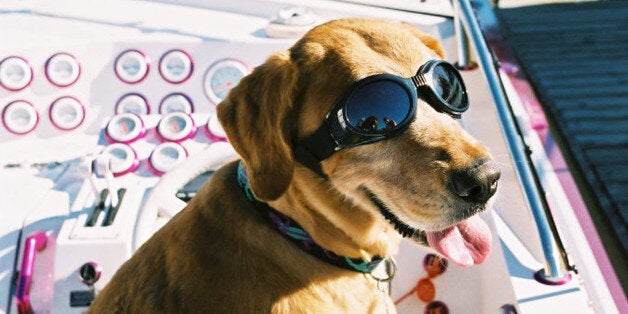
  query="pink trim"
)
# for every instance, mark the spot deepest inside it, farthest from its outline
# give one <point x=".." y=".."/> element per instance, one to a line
<point x="34" y="243"/>
<point x="191" y="66"/>
<point x="133" y="167"/>
<point x="213" y="137"/>
<point x="538" y="121"/>
<point x="20" y="133"/>
<point x="139" y="135"/>
<point x="188" y="136"/>
<point x="216" y="63"/>
<point x="469" y="67"/>
<point x="71" y="56"/>
<point x="132" y="94"/>
<point x="115" y="70"/>
<point x="161" y="104"/>
<point x="540" y="277"/>
<point x="62" y="128"/>
<point x="152" y="168"/>
<point x="29" y="67"/>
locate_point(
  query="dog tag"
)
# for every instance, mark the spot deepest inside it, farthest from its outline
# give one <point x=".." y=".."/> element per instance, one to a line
<point x="384" y="274"/>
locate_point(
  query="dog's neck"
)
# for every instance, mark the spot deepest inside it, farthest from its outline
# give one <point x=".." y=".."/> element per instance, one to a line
<point x="296" y="234"/>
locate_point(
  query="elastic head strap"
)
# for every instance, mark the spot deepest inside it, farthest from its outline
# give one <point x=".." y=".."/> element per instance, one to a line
<point x="314" y="149"/>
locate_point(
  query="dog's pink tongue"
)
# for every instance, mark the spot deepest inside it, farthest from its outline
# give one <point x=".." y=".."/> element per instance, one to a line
<point x="465" y="244"/>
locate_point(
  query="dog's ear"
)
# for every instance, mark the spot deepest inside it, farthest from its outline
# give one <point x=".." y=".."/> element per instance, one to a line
<point x="254" y="116"/>
<point x="432" y="43"/>
<point x="428" y="40"/>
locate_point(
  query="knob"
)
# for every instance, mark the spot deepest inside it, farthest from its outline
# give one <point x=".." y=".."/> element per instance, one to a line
<point x="90" y="273"/>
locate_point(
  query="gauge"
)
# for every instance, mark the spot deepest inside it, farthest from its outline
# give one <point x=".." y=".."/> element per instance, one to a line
<point x="214" y="129"/>
<point x="122" y="158"/>
<point x="20" y="117"/>
<point x="15" y="73"/>
<point x="176" y="102"/>
<point x="165" y="156"/>
<point x="125" y="128"/>
<point x="176" y="66"/>
<point x="66" y="113"/>
<point x="132" y="103"/>
<point x="176" y="127"/>
<point x="221" y="77"/>
<point x="62" y="69"/>
<point x="132" y="66"/>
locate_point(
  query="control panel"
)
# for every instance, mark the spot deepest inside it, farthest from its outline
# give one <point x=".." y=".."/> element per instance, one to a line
<point x="140" y="97"/>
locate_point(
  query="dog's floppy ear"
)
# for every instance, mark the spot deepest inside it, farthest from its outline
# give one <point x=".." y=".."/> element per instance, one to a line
<point x="432" y="43"/>
<point x="428" y="40"/>
<point x="254" y="116"/>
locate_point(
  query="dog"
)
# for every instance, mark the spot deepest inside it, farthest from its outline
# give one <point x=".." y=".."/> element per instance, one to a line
<point x="284" y="232"/>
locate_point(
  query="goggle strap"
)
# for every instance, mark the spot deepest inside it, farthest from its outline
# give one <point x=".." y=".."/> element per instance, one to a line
<point x="315" y="148"/>
<point x="304" y="156"/>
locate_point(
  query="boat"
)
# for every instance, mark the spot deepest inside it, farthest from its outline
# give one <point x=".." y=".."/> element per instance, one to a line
<point x="108" y="104"/>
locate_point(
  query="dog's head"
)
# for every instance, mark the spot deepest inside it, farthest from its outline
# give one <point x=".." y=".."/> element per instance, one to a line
<point x="427" y="180"/>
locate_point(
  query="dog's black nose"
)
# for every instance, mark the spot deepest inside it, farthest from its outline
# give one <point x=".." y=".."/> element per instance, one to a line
<point x="478" y="182"/>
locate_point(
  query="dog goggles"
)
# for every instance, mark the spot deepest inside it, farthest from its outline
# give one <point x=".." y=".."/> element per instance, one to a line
<point x="382" y="106"/>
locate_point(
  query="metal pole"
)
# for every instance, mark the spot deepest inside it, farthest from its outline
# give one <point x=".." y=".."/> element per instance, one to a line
<point x="464" y="59"/>
<point x="554" y="272"/>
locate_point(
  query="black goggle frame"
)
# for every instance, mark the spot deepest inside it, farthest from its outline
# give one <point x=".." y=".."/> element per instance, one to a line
<point x="337" y="132"/>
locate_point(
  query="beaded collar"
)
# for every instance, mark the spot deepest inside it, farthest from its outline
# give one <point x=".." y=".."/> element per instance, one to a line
<point x="295" y="233"/>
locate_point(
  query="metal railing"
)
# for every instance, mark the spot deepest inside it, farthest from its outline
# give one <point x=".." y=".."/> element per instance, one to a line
<point x="468" y="31"/>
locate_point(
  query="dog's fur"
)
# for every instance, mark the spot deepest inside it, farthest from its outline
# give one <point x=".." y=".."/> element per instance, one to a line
<point x="220" y="256"/>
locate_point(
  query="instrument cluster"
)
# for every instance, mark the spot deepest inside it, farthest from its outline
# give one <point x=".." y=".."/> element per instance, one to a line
<point x="89" y="131"/>
<point x="130" y="130"/>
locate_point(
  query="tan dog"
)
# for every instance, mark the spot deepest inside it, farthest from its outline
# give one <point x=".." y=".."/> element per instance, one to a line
<point x="221" y="254"/>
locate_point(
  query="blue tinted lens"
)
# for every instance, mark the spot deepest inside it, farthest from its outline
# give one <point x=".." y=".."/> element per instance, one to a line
<point x="378" y="106"/>
<point x="449" y="87"/>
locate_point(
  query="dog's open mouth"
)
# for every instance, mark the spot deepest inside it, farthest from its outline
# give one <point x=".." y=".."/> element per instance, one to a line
<point x="465" y="243"/>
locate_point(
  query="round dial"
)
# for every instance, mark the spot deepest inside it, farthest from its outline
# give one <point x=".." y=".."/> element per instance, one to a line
<point x="132" y="103"/>
<point x="176" y="127"/>
<point x="67" y="113"/>
<point x="125" y="128"/>
<point x="131" y="66"/>
<point x="20" y="117"/>
<point x="62" y="69"/>
<point x="165" y="156"/>
<point x="15" y="73"/>
<point x="176" y="66"/>
<point x="215" y="130"/>
<point x="176" y="102"/>
<point x="122" y="158"/>
<point x="221" y="77"/>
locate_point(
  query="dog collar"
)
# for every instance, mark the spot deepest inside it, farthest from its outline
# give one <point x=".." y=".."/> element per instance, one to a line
<point x="295" y="233"/>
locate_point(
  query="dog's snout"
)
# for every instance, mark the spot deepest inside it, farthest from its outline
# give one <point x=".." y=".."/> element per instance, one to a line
<point x="478" y="182"/>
